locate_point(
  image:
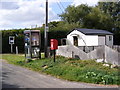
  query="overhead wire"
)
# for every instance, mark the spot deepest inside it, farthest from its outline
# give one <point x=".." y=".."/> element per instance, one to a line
<point x="62" y="9"/>
<point x="62" y="4"/>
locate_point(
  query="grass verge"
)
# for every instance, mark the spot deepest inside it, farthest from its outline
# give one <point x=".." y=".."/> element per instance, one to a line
<point x="70" y="69"/>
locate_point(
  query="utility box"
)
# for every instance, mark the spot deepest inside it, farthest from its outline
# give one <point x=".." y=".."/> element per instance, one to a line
<point x="54" y="44"/>
<point x="32" y="42"/>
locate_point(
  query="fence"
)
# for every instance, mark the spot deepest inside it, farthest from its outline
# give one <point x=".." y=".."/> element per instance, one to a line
<point x="105" y="53"/>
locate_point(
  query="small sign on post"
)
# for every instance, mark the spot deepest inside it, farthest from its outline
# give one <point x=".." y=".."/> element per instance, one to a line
<point x="54" y="46"/>
<point x="11" y="42"/>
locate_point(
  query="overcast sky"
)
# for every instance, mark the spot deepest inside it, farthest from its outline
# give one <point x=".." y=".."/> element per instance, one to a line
<point x="15" y="14"/>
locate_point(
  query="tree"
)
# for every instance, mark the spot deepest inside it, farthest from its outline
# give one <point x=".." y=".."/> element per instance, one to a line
<point x="75" y="14"/>
<point x="113" y="9"/>
<point x="98" y="19"/>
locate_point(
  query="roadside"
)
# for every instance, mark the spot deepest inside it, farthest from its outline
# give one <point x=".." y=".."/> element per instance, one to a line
<point x="69" y="69"/>
<point x="18" y="77"/>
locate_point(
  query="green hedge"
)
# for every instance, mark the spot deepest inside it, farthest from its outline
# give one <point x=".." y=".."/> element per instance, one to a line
<point x="19" y="39"/>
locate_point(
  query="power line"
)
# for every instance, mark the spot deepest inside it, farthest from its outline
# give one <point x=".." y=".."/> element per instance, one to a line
<point x="60" y="6"/>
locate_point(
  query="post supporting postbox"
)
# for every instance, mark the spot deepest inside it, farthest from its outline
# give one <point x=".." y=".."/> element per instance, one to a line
<point x="54" y="55"/>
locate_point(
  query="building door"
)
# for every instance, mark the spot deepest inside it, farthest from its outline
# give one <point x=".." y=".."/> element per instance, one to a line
<point x="101" y="40"/>
<point x="75" y="40"/>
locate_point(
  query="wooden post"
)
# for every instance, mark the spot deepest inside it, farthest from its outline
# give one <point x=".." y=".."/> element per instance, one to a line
<point x="54" y="55"/>
<point x="46" y="32"/>
<point x="11" y="48"/>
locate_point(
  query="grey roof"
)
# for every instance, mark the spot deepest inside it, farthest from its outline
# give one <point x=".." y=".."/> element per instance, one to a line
<point x="93" y="31"/>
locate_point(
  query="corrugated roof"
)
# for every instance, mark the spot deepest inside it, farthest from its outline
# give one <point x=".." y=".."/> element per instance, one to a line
<point x="93" y="31"/>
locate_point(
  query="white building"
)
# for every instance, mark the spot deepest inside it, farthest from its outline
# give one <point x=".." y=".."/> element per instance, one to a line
<point x="90" y="37"/>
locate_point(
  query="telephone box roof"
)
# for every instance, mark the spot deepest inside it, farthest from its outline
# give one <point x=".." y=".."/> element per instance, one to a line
<point x="28" y="31"/>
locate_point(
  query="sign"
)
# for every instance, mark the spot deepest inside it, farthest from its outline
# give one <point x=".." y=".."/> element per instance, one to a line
<point x="11" y="39"/>
<point x="54" y="44"/>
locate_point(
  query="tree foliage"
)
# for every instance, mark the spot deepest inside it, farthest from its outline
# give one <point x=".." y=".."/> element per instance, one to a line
<point x="113" y="9"/>
<point x="97" y="19"/>
<point x="75" y="14"/>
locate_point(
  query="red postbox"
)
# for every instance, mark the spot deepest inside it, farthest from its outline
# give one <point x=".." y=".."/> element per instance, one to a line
<point x="54" y="44"/>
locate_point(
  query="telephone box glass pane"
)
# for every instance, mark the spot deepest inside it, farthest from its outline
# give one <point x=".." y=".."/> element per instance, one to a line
<point x="28" y="55"/>
<point x="35" y="39"/>
<point x="27" y="39"/>
<point x="35" y="52"/>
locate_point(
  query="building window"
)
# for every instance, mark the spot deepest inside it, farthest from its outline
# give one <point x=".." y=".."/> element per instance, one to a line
<point x="110" y="38"/>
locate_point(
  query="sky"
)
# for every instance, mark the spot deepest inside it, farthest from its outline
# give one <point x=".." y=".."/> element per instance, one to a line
<point x="16" y="14"/>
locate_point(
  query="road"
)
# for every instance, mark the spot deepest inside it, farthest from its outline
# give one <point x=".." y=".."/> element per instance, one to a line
<point x="19" y="77"/>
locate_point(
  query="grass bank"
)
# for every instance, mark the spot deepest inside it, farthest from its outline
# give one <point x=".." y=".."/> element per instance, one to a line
<point x="70" y="69"/>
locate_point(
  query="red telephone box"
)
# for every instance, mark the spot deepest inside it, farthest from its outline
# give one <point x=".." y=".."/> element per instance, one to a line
<point x="54" y="44"/>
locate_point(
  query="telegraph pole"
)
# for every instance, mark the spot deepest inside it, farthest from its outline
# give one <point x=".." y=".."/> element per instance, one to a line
<point x="46" y="32"/>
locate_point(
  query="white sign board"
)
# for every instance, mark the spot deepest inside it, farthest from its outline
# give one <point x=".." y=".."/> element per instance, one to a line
<point x="11" y="39"/>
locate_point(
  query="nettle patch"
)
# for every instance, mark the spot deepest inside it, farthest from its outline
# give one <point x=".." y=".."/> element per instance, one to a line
<point x="102" y="79"/>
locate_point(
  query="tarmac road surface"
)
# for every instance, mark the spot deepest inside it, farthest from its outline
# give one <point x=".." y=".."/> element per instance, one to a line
<point x="19" y="77"/>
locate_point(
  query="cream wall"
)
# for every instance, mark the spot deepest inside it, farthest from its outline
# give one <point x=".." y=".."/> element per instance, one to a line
<point x="83" y="40"/>
<point x="92" y="40"/>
